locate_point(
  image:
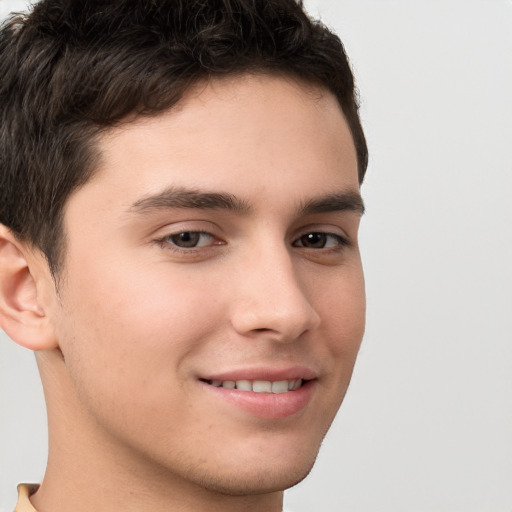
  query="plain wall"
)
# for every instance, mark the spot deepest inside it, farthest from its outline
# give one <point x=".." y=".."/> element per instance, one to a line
<point x="427" y="423"/>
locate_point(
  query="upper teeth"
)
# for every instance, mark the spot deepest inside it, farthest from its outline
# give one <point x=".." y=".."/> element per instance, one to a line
<point x="259" y="386"/>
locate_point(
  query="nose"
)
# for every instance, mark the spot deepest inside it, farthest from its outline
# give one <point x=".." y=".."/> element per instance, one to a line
<point x="269" y="299"/>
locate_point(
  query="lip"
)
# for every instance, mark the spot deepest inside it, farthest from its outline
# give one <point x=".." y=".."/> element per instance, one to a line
<point x="265" y="405"/>
<point x="264" y="373"/>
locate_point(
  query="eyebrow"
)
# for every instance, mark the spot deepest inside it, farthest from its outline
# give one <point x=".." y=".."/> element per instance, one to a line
<point x="190" y="198"/>
<point x="185" y="198"/>
<point x="337" y="202"/>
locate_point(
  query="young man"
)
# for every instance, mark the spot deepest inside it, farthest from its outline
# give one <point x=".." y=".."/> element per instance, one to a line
<point x="180" y="206"/>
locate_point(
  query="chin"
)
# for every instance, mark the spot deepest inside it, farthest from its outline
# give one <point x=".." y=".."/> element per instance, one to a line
<point x="273" y="473"/>
<point x="251" y="483"/>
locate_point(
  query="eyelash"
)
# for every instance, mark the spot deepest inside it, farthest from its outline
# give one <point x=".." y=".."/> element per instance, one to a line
<point x="341" y="241"/>
<point x="165" y="242"/>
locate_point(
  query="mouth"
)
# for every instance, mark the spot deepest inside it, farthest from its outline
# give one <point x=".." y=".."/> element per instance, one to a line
<point x="264" y="393"/>
<point x="258" y="386"/>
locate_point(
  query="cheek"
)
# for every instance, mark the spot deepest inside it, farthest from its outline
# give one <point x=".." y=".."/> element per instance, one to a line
<point x="124" y="332"/>
<point x="342" y="307"/>
<point x="348" y="313"/>
<point x="154" y="298"/>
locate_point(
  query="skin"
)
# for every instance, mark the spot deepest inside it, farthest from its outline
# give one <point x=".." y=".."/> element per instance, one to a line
<point x="137" y="320"/>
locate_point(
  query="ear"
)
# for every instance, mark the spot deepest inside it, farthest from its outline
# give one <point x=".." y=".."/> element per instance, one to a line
<point x="22" y="315"/>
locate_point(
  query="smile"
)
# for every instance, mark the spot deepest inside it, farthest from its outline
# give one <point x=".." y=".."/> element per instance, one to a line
<point x="271" y="399"/>
<point x="258" y="386"/>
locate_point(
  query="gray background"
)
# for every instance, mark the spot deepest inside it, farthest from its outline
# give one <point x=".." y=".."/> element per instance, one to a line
<point x="427" y="423"/>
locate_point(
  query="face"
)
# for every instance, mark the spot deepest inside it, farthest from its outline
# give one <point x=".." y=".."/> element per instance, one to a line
<point x="212" y="301"/>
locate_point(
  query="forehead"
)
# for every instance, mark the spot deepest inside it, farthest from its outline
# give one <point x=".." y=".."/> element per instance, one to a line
<point x="250" y="135"/>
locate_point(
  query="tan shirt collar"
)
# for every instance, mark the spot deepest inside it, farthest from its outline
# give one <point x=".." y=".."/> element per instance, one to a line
<point x="24" y="492"/>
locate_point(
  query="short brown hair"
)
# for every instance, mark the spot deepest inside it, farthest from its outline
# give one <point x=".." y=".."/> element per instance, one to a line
<point x="73" y="68"/>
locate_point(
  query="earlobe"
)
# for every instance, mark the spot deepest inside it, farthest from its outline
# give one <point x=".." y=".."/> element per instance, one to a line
<point x="22" y="316"/>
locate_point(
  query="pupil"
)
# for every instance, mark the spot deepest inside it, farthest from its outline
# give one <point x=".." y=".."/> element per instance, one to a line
<point x="187" y="239"/>
<point x="316" y="240"/>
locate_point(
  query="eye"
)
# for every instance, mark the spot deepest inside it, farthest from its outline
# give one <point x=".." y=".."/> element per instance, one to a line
<point x="320" y="241"/>
<point x="190" y="239"/>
